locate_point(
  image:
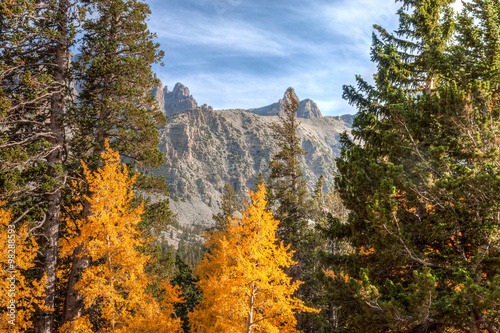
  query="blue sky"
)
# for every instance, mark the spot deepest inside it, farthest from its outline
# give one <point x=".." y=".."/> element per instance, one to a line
<point x="246" y="53"/>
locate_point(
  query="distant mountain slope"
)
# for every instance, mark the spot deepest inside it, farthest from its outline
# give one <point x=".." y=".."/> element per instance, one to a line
<point x="206" y="148"/>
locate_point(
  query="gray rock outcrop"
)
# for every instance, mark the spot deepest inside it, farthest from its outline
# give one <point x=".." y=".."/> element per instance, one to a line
<point x="178" y="100"/>
<point x="348" y="119"/>
<point x="205" y="148"/>
<point x="307" y="109"/>
<point x="158" y="94"/>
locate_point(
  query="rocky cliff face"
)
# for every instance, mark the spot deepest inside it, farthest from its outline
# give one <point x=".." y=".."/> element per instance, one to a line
<point x="206" y="148"/>
<point x="178" y="99"/>
<point x="159" y="94"/>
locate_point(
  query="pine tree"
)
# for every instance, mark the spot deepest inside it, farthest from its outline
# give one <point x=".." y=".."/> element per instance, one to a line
<point x="242" y="280"/>
<point x="185" y="279"/>
<point x="34" y="91"/>
<point x="45" y="133"/>
<point x="113" y="74"/>
<point x="229" y="205"/>
<point x="287" y="181"/>
<point x="260" y="180"/>
<point x="294" y="209"/>
<point x="422" y="186"/>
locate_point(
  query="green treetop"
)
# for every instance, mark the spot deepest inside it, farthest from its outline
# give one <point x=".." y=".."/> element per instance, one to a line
<point x="114" y="78"/>
<point x="287" y="177"/>
<point x="113" y="70"/>
<point x="229" y="205"/>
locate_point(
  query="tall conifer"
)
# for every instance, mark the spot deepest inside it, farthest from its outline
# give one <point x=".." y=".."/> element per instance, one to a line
<point x="114" y="79"/>
<point x="287" y="179"/>
<point x="34" y="93"/>
<point x="229" y="205"/>
<point x="294" y="209"/>
<point x="422" y="184"/>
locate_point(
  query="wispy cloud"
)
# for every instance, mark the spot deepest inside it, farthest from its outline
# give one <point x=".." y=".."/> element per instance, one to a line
<point x="230" y="35"/>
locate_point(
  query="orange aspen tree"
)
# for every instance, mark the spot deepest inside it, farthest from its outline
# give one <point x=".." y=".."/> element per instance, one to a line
<point x="114" y="286"/>
<point x="244" y="286"/>
<point x="19" y="296"/>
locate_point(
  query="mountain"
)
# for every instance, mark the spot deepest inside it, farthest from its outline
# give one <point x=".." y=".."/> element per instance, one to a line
<point x="177" y="100"/>
<point x="307" y="109"/>
<point x="206" y="148"/>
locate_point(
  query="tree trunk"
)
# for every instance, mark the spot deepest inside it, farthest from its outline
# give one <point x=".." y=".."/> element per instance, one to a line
<point x="251" y="304"/>
<point x="45" y="318"/>
<point x="73" y="303"/>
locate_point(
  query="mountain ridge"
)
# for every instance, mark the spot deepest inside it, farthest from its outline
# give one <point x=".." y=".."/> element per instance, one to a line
<point x="205" y="148"/>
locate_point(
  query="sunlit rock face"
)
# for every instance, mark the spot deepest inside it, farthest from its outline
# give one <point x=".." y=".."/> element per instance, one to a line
<point x="178" y="100"/>
<point x="158" y="94"/>
<point x="205" y="148"/>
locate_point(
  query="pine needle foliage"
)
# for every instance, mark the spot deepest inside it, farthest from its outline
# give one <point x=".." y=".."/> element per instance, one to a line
<point x="421" y="178"/>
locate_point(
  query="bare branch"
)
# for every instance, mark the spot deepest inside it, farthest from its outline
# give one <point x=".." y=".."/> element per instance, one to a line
<point x="22" y="216"/>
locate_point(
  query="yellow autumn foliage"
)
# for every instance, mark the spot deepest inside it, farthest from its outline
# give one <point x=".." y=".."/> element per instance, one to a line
<point x="244" y="286"/>
<point x="115" y="283"/>
<point x="20" y="295"/>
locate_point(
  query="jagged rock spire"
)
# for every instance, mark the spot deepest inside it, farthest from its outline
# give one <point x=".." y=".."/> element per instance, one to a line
<point x="178" y="100"/>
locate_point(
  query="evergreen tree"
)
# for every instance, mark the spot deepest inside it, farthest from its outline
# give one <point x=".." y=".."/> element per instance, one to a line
<point x="294" y="208"/>
<point x="260" y="180"/>
<point x="287" y="179"/>
<point x="422" y="187"/>
<point x="113" y="73"/>
<point x="229" y="205"/>
<point x="45" y="134"/>
<point x="185" y="279"/>
<point x="35" y="87"/>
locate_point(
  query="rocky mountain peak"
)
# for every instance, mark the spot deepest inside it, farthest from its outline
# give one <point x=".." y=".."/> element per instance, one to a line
<point x="178" y="100"/>
<point x="348" y="119"/>
<point x="180" y="90"/>
<point x="205" y="148"/>
<point x="285" y="97"/>
<point x="307" y="109"/>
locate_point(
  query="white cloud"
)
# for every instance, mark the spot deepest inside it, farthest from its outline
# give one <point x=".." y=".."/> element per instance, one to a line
<point x="355" y="19"/>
